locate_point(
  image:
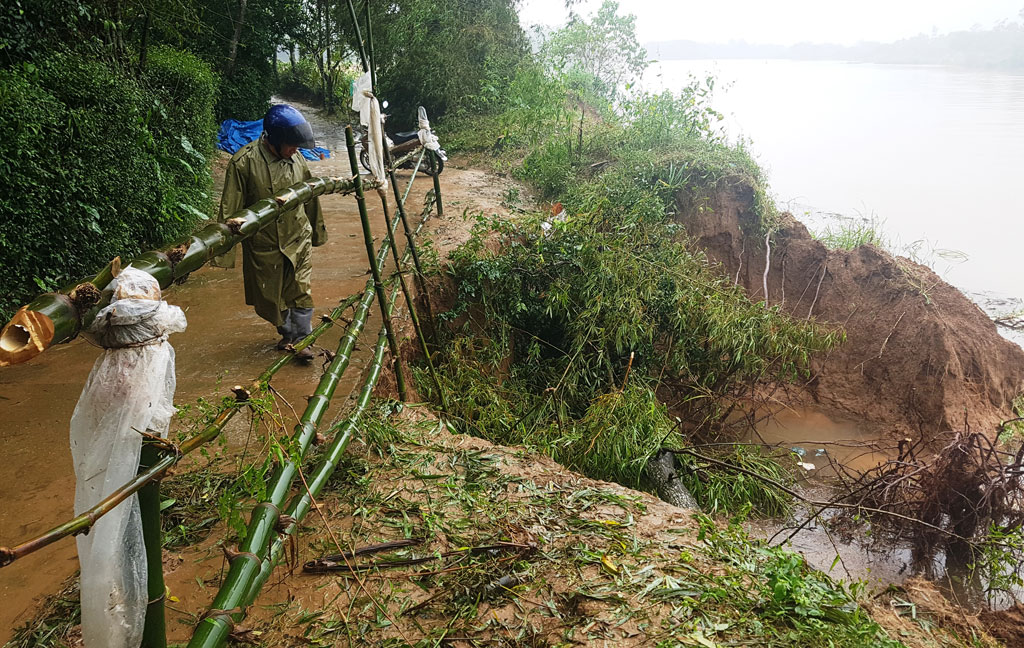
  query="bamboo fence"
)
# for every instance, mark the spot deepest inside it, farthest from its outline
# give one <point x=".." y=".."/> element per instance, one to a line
<point x="53" y="318"/>
<point x="268" y="527"/>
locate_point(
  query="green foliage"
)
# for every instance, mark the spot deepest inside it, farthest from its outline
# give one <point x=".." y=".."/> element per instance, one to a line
<point x="600" y="58"/>
<point x="245" y="95"/>
<point x="778" y="597"/>
<point x="720" y="490"/>
<point x="97" y="165"/>
<point x="304" y="82"/>
<point x="439" y="55"/>
<point x="32" y="29"/>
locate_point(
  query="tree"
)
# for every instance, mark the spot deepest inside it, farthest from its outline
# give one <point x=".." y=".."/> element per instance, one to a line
<point x="601" y="56"/>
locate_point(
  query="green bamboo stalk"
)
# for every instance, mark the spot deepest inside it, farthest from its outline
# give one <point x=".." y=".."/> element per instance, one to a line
<point x="53" y="318"/>
<point x="369" y="48"/>
<point x="328" y="322"/>
<point x="359" y="37"/>
<point x="215" y="628"/>
<point x="154" y="631"/>
<point x="374" y="266"/>
<point x="83" y="522"/>
<point x="405" y="291"/>
<point x="264" y="519"/>
<point x="415" y="169"/>
<point x="400" y="201"/>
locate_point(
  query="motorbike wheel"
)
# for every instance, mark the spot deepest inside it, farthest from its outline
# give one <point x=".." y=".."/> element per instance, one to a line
<point x="364" y="159"/>
<point x="434" y="167"/>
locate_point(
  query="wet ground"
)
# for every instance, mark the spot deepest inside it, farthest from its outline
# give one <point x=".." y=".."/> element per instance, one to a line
<point x="225" y="344"/>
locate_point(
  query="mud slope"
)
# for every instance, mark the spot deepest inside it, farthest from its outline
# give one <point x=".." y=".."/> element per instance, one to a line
<point x="919" y="355"/>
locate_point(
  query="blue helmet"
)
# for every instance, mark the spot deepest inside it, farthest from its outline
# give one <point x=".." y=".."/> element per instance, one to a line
<point x="286" y="126"/>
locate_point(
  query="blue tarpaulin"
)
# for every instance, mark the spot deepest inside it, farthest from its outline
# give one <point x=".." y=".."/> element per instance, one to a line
<point x="235" y="134"/>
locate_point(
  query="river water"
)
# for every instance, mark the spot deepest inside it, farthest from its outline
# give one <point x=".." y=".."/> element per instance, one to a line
<point x="932" y="155"/>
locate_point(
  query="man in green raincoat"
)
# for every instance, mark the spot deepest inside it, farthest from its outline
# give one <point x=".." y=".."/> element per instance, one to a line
<point x="277" y="260"/>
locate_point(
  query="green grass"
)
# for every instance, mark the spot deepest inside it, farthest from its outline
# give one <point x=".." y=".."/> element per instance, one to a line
<point x="852" y="234"/>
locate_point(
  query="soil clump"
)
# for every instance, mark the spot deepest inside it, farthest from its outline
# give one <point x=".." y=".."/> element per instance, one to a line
<point x="919" y="357"/>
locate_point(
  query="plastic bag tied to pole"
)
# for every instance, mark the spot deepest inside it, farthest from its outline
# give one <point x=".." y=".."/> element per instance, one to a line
<point x="364" y="103"/>
<point x="129" y="391"/>
<point x="375" y="143"/>
<point x="427" y="137"/>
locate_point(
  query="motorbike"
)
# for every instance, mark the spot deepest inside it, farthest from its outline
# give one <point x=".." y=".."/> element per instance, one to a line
<point x="407" y="147"/>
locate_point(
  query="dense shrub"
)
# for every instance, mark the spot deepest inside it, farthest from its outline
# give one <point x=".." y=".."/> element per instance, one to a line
<point x="245" y="94"/>
<point x="97" y="164"/>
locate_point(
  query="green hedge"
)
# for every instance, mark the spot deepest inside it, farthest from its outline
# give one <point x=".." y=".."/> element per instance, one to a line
<point x="245" y="95"/>
<point x="98" y="164"/>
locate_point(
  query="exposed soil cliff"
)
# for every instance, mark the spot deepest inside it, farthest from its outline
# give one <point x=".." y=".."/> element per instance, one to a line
<point x="919" y="356"/>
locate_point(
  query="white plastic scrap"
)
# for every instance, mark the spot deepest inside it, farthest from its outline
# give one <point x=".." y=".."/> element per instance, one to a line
<point x="375" y="141"/>
<point x="360" y="101"/>
<point x="427" y="137"/>
<point x="130" y="390"/>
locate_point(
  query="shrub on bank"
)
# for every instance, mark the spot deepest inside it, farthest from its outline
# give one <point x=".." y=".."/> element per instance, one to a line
<point x="98" y="164"/>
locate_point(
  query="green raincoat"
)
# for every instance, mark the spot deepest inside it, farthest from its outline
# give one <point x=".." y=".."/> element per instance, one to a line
<point x="277" y="260"/>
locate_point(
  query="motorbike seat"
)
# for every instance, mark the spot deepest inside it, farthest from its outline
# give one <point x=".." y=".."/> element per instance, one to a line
<point x="399" y="138"/>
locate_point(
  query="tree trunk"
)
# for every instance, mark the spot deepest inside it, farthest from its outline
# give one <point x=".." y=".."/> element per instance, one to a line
<point x="144" y="41"/>
<point x="236" y="36"/>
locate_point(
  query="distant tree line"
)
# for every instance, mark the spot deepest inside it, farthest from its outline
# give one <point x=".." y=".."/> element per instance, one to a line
<point x="1000" y="48"/>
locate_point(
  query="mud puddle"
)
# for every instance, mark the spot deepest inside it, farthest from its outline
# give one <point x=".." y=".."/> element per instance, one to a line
<point x="822" y="443"/>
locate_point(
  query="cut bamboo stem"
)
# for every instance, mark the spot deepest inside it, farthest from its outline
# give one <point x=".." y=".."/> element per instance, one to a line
<point x="53" y="318"/>
<point x="400" y="202"/>
<point x="410" y="303"/>
<point x="154" y="631"/>
<point x="369" y="48"/>
<point x="374" y="266"/>
<point x="359" y="37"/>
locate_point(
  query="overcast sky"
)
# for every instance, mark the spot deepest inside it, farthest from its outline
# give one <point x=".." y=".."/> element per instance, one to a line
<point x="785" y="22"/>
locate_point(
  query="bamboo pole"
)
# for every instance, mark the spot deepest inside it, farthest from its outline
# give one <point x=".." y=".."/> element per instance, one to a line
<point x="415" y="169"/>
<point x="359" y="37"/>
<point x="374" y="266"/>
<point x="154" y="631"/>
<point x="83" y="522"/>
<point x="401" y="281"/>
<point x="214" y="629"/>
<point x="53" y="318"/>
<point x="369" y="49"/>
<point x="400" y="201"/>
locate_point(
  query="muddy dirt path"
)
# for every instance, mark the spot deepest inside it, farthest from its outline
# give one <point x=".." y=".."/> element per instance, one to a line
<point x="226" y="344"/>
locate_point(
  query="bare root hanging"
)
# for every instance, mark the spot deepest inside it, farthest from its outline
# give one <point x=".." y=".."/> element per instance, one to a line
<point x="961" y="491"/>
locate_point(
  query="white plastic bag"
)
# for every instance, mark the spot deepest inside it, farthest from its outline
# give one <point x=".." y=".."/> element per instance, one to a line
<point x="360" y="102"/>
<point x="130" y="390"/>
<point x="427" y="137"/>
<point x="375" y="141"/>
